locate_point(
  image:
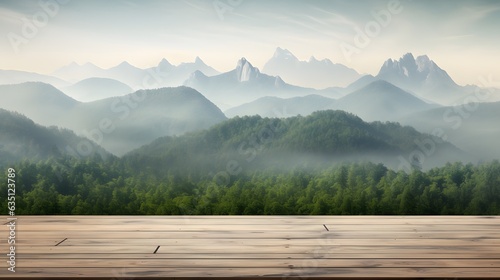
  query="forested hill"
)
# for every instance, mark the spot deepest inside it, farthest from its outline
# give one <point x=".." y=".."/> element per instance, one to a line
<point x="254" y="166"/>
<point x="21" y="138"/>
<point x="324" y="137"/>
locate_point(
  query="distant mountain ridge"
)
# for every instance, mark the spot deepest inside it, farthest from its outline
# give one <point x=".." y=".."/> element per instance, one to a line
<point x="38" y="101"/>
<point x="289" y="76"/>
<point x="244" y="84"/>
<point x="119" y="124"/>
<point x="10" y="77"/>
<point x="318" y="74"/>
<point x="381" y="101"/>
<point x="275" y="107"/>
<point x="164" y="74"/>
<point x="93" y="89"/>
<point x="422" y="76"/>
<point x="377" y="101"/>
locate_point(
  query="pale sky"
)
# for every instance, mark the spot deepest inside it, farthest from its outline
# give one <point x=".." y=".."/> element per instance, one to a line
<point x="462" y="37"/>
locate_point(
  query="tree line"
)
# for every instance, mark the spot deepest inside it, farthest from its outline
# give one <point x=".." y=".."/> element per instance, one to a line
<point x="107" y="187"/>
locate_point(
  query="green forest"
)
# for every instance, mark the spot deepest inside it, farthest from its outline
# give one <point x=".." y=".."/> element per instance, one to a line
<point x="105" y="188"/>
<point x="250" y="166"/>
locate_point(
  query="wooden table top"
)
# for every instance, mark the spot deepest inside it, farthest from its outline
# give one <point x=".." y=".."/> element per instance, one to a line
<point x="334" y="247"/>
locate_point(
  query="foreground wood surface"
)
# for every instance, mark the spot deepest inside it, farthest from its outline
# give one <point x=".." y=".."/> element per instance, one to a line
<point x="335" y="247"/>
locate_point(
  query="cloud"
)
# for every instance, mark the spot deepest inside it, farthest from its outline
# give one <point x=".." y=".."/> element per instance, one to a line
<point x="198" y="7"/>
<point x="476" y="13"/>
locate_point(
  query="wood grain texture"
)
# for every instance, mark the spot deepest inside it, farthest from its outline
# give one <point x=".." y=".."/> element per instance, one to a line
<point x="251" y="247"/>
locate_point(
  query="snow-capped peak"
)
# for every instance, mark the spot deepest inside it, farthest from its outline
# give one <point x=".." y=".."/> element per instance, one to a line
<point x="283" y="53"/>
<point x="278" y="82"/>
<point x="124" y="64"/>
<point x="197" y="74"/>
<point x="241" y="62"/>
<point x="408" y="57"/>
<point x="73" y="64"/>
<point x="164" y="64"/>
<point x="415" y="73"/>
<point x="198" y="60"/>
<point x="245" y="71"/>
<point x="424" y="63"/>
<point x="388" y="63"/>
<point x="405" y="66"/>
<point x="405" y="72"/>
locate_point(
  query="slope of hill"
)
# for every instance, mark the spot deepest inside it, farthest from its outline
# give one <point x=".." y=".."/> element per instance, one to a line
<point x="75" y="72"/>
<point x="21" y="138"/>
<point x="127" y="74"/>
<point x="377" y="101"/>
<point x="119" y="124"/>
<point x="324" y="137"/>
<point x="8" y="77"/>
<point x="40" y="102"/>
<point x="360" y="83"/>
<point x="318" y="74"/>
<point x="93" y="89"/>
<point x="139" y="118"/>
<point x="472" y="127"/>
<point x="275" y="107"/>
<point x="381" y="101"/>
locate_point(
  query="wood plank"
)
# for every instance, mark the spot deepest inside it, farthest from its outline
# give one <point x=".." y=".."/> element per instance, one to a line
<point x="256" y="263"/>
<point x="291" y="249"/>
<point x="245" y="255"/>
<point x="273" y="228"/>
<point x="255" y="272"/>
<point x="251" y="246"/>
<point x="354" y="220"/>
<point x="167" y="227"/>
<point x="85" y="249"/>
<point x="257" y="234"/>
<point x="261" y="242"/>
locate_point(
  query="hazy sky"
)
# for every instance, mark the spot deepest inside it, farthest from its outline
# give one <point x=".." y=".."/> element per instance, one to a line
<point x="460" y="36"/>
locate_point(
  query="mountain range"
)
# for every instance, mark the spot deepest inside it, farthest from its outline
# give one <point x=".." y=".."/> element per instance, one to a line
<point x="276" y="107"/>
<point x="9" y="77"/>
<point x="318" y="74"/>
<point x="163" y="75"/>
<point x="100" y="106"/>
<point x="119" y="124"/>
<point x="381" y="101"/>
<point x="283" y="75"/>
<point x="93" y="89"/>
<point x="246" y="83"/>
